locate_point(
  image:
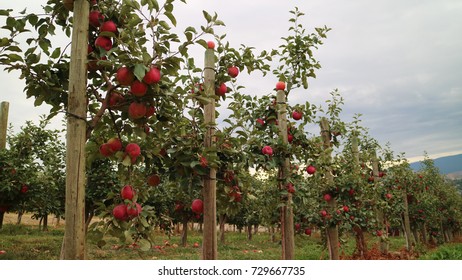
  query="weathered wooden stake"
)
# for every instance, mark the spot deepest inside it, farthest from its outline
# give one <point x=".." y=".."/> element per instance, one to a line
<point x="74" y="236"/>
<point x="361" y="244"/>
<point x="3" y="131"/>
<point x="4" y="107"/>
<point x="379" y="212"/>
<point x="331" y="231"/>
<point x="209" y="242"/>
<point x="287" y="216"/>
<point x="407" y="223"/>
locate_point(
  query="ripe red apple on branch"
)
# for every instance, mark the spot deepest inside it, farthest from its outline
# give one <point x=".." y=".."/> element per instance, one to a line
<point x="125" y="76"/>
<point x="138" y="88"/>
<point x="120" y="212"/>
<point x="137" y="110"/>
<point x="210" y="45"/>
<point x="95" y="18"/>
<point x="280" y="85"/>
<point x="152" y="76"/>
<point x="108" y="26"/>
<point x="233" y="71"/>
<point x="221" y="90"/>
<point x="267" y="150"/>
<point x="311" y="169"/>
<point x="104" y="43"/>
<point x="127" y="192"/>
<point x="197" y="206"/>
<point x="154" y="180"/>
<point x="297" y="115"/>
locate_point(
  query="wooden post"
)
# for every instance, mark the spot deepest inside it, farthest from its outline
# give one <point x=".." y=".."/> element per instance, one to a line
<point x="331" y="231"/>
<point x="380" y="215"/>
<point x="74" y="236"/>
<point x="3" y="131"/>
<point x="407" y="223"/>
<point x="4" y="107"/>
<point x="287" y="216"/>
<point x="209" y="242"/>
<point x="361" y="245"/>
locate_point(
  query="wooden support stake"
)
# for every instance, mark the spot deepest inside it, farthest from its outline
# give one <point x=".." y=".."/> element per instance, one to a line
<point x="4" y="107"/>
<point x="331" y="231"/>
<point x="384" y="246"/>
<point x="74" y="236"/>
<point x="287" y="216"/>
<point x="209" y="242"/>
<point x="361" y="245"/>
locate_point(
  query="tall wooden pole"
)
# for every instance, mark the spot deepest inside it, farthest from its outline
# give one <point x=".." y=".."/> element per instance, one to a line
<point x="358" y="230"/>
<point x="380" y="215"/>
<point x="287" y="216"/>
<point x="74" y="236"/>
<point x="209" y="242"/>
<point x="331" y="231"/>
<point x="4" y="107"/>
<point x="3" y="131"/>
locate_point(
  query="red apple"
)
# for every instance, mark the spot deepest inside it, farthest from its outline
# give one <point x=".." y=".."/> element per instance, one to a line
<point x="389" y="195"/>
<point x="221" y="90"/>
<point x="237" y="197"/>
<point x="24" y="188"/>
<point x="290" y="188"/>
<point x="150" y="110"/>
<point x="379" y="233"/>
<point x="197" y="206"/>
<point x="351" y="192"/>
<point x="125" y="76"/>
<point x="196" y="245"/>
<point x="115" y="99"/>
<point x="114" y="144"/>
<point x="203" y="161"/>
<point x="105" y="150"/>
<point x="138" y="88"/>
<point x="104" y="43"/>
<point x="298" y="226"/>
<point x="2" y="252"/>
<point x="323" y="213"/>
<point x="134" y="210"/>
<point x="179" y="207"/>
<point x="290" y="138"/>
<point x="280" y="85"/>
<point x="137" y="110"/>
<point x="108" y="26"/>
<point x="96" y="18"/>
<point x="297" y="115"/>
<point x="233" y="71"/>
<point x="308" y="231"/>
<point x="327" y="197"/>
<point x="260" y="122"/>
<point x="152" y="76"/>
<point x="120" y="212"/>
<point x="127" y="192"/>
<point x="154" y="180"/>
<point x="210" y="45"/>
<point x="133" y="150"/>
<point x="346" y="208"/>
<point x="267" y="150"/>
<point x="311" y="169"/>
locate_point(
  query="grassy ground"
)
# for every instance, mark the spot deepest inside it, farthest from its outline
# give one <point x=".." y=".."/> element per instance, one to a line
<point x="27" y="242"/>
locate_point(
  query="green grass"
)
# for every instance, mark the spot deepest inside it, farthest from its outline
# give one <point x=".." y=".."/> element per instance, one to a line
<point x="28" y="243"/>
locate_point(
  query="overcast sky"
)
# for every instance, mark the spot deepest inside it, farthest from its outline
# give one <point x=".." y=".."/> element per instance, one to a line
<point x="399" y="63"/>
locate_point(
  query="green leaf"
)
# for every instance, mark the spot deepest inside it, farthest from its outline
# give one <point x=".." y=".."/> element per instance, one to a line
<point x="56" y="53"/>
<point x="207" y="16"/>
<point x="5" y="12"/>
<point x="14" y="57"/>
<point x="171" y="18"/>
<point x="139" y="71"/>
<point x="145" y="245"/>
<point x="4" y="42"/>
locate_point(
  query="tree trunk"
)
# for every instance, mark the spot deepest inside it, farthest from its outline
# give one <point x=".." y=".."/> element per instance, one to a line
<point x="20" y="214"/>
<point x="331" y="230"/>
<point x="2" y="215"/>
<point x="255" y="229"/>
<point x="273" y="234"/>
<point x="249" y="232"/>
<point x="222" y="220"/>
<point x="184" y="232"/>
<point x="74" y="235"/>
<point x="45" y="223"/>
<point x="415" y="232"/>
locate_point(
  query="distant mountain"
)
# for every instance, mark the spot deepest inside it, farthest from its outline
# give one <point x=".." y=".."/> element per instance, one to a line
<point x="447" y="165"/>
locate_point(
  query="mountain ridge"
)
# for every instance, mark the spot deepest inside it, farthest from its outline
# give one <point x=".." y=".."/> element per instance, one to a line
<point x="448" y="165"/>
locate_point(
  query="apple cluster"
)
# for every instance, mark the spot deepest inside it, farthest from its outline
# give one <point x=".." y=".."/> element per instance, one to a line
<point x="129" y="209"/>
<point x="114" y="145"/>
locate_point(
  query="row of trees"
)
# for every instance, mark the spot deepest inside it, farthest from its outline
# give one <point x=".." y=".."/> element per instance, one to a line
<point x="146" y="127"/>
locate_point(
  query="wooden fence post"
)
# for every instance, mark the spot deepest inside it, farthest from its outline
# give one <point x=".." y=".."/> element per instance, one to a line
<point x="209" y="242"/>
<point x="331" y="231"/>
<point x="287" y="216"/>
<point x="74" y="236"/>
